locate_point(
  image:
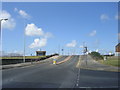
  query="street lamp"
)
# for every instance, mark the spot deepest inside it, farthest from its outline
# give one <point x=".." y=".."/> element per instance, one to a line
<point x="1" y="35"/>
<point x="0" y="25"/>
<point x="24" y="44"/>
<point x="1" y="28"/>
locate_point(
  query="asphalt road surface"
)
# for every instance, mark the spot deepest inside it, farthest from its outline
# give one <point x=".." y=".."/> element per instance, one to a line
<point x="64" y="75"/>
<point x="44" y="75"/>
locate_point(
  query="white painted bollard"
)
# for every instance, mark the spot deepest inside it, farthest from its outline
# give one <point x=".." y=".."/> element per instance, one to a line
<point x="105" y="57"/>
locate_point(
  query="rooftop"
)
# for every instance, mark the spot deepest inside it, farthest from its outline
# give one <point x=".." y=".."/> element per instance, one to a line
<point x="118" y="44"/>
<point x="40" y="51"/>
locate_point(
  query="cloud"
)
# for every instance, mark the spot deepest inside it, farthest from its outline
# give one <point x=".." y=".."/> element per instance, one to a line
<point x="48" y="35"/>
<point x="38" y="43"/>
<point x="104" y="17"/>
<point x="90" y="51"/>
<point x="72" y="44"/>
<point x="15" y="9"/>
<point x="10" y="23"/>
<point x="117" y="17"/>
<point x="97" y="50"/>
<point x="22" y="13"/>
<point x="12" y="53"/>
<point x="81" y="46"/>
<point x="33" y="30"/>
<point x="93" y="33"/>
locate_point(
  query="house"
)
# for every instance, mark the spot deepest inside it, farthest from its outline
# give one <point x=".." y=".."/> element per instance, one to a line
<point x="40" y="53"/>
<point x="117" y="50"/>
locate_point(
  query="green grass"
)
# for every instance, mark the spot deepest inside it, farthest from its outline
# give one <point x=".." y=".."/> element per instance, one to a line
<point x="113" y="61"/>
<point x="26" y="57"/>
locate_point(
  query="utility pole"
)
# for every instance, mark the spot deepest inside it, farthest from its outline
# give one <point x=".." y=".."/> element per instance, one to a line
<point x="83" y="48"/>
<point x="85" y="51"/>
<point x="59" y="49"/>
<point x="68" y="52"/>
<point x="62" y="51"/>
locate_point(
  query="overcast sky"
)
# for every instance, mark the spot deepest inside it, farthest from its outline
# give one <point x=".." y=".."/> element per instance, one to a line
<point x="53" y="26"/>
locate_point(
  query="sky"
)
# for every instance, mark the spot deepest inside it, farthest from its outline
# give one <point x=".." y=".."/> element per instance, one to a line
<point x="53" y="26"/>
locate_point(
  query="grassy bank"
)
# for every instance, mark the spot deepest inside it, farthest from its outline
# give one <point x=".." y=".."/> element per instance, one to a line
<point x="113" y="61"/>
<point x="26" y="57"/>
<point x="15" y="60"/>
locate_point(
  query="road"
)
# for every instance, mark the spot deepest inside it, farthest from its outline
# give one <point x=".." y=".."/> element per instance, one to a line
<point x="64" y="75"/>
<point x="93" y="78"/>
<point x="43" y="75"/>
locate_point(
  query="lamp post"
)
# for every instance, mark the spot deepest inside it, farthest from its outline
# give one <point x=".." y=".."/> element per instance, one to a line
<point x="1" y="34"/>
<point x="0" y="26"/>
<point x="24" y="44"/>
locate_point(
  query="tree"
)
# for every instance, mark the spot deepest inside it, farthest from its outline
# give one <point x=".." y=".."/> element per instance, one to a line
<point x="96" y="55"/>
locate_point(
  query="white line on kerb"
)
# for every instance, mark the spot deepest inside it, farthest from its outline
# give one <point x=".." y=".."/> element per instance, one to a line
<point x="101" y="87"/>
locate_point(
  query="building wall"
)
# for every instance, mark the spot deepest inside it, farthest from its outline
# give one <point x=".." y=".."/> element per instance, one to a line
<point x="40" y="53"/>
<point x="117" y="48"/>
<point x="117" y="53"/>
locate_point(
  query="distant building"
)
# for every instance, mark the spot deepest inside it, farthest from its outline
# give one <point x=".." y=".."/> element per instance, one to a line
<point x="5" y="54"/>
<point x="117" y="50"/>
<point x="40" y="53"/>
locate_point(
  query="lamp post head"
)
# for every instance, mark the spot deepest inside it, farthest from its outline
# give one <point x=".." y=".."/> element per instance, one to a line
<point x="4" y="19"/>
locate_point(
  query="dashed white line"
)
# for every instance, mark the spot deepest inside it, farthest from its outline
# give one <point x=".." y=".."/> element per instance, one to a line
<point x="78" y="74"/>
<point x="77" y="85"/>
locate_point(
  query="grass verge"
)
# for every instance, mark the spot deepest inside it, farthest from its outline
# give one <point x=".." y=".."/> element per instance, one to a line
<point x="113" y="61"/>
<point x="26" y="57"/>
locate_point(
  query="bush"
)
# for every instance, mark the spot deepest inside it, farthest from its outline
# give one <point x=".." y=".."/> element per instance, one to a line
<point x="96" y="55"/>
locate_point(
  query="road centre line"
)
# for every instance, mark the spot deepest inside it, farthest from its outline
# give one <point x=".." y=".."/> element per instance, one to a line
<point x="78" y="74"/>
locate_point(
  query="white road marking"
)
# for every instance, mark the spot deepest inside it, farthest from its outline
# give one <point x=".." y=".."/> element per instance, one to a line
<point x="77" y="85"/>
<point x="78" y="74"/>
<point x="100" y="87"/>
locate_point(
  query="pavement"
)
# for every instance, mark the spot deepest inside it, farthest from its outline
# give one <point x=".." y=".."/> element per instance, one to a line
<point x="94" y="75"/>
<point x="66" y="59"/>
<point x="86" y="62"/>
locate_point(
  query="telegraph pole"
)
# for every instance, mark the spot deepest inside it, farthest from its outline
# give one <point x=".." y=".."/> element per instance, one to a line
<point x="85" y="51"/>
<point x="62" y="51"/>
<point x="59" y="49"/>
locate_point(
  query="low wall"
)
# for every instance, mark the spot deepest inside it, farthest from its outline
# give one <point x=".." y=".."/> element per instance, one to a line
<point x="15" y="61"/>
